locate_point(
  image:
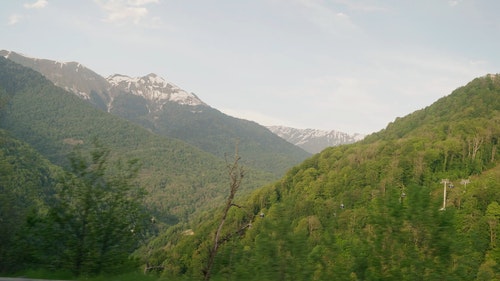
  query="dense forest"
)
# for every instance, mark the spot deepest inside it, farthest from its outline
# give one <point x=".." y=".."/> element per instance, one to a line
<point x="418" y="200"/>
<point x="42" y="126"/>
<point x="201" y="126"/>
<point x="180" y="179"/>
<point x="374" y="210"/>
<point x="86" y="220"/>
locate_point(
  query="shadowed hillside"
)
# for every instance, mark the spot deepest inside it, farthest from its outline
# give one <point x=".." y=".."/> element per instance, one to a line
<point x="180" y="178"/>
<point x="165" y="109"/>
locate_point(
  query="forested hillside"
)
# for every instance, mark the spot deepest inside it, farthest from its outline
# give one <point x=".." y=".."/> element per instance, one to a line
<point x="194" y="123"/>
<point x="418" y="200"/>
<point x="85" y="220"/>
<point x="180" y="179"/>
<point x="213" y="131"/>
<point x="27" y="181"/>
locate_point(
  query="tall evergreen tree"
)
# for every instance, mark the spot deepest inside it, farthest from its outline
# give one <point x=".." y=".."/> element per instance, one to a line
<point x="96" y="218"/>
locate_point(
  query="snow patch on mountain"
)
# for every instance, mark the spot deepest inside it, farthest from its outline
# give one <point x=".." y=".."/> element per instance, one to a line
<point x="74" y="90"/>
<point x="88" y="85"/>
<point x="5" y="54"/>
<point x="313" y="140"/>
<point x="154" y="88"/>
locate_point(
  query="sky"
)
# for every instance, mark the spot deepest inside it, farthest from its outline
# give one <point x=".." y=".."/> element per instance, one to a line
<point x="347" y="65"/>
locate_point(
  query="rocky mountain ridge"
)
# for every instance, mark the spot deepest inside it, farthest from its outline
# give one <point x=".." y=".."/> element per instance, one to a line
<point x="153" y="88"/>
<point x="165" y="109"/>
<point x="88" y="85"/>
<point x="121" y="94"/>
<point x="314" y="140"/>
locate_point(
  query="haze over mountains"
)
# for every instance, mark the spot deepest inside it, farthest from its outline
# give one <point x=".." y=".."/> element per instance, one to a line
<point x="159" y="107"/>
<point x="375" y="209"/>
<point x="313" y="140"/>
<point x="153" y="102"/>
<point x="418" y="200"/>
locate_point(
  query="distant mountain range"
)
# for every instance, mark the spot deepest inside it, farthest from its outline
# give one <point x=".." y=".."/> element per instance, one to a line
<point x="416" y="199"/>
<point x="163" y="108"/>
<point x="383" y="208"/>
<point x="104" y="92"/>
<point x="313" y="140"/>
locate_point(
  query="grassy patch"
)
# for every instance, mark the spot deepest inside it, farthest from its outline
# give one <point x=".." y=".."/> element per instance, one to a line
<point x="131" y="276"/>
<point x="46" y="274"/>
<point x="61" y="275"/>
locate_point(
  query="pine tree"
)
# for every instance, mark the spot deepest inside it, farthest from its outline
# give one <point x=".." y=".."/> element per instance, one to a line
<point x="97" y="219"/>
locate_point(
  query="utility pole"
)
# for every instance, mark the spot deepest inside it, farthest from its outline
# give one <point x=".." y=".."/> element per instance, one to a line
<point x="445" y="183"/>
<point x="465" y="182"/>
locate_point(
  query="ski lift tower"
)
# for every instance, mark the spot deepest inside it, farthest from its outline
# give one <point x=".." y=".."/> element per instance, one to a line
<point x="464" y="182"/>
<point x="445" y="183"/>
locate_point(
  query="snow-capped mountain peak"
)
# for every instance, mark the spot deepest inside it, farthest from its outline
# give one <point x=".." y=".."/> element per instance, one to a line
<point x="313" y="140"/>
<point x="155" y="79"/>
<point x="89" y="85"/>
<point x="154" y="88"/>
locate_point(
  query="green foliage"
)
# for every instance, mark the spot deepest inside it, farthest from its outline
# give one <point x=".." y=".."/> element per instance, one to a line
<point x="367" y="211"/>
<point x="371" y="210"/>
<point x="214" y="132"/>
<point x="97" y="215"/>
<point x="27" y="182"/>
<point x="131" y="276"/>
<point x="94" y="221"/>
<point x="180" y="178"/>
<point x="66" y="275"/>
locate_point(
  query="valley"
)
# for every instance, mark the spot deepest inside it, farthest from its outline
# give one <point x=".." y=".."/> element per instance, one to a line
<point x="103" y="175"/>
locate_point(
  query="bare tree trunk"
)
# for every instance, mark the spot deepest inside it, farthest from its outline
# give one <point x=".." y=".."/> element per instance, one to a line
<point x="236" y="175"/>
<point x="474" y="146"/>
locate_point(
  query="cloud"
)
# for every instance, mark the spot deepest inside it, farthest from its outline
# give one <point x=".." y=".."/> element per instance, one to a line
<point x="36" y="5"/>
<point x="361" y="6"/>
<point x="141" y="2"/>
<point x="325" y="17"/>
<point x="123" y="12"/>
<point x="14" y="19"/>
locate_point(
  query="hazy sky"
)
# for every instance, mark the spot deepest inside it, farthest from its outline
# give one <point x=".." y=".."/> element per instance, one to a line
<point x="352" y="66"/>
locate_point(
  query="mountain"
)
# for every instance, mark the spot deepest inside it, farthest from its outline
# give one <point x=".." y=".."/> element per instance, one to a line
<point x="42" y="124"/>
<point x="418" y="200"/>
<point x="163" y="108"/>
<point x="313" y="140"/>
<point x="27" y="181"/>
<point x="180" y="179"/>
<point x="71" y="76"/>
<point x="154" y="89"/>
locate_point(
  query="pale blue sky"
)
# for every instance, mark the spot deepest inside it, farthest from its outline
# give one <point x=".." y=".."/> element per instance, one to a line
<point x="352" y="66"/>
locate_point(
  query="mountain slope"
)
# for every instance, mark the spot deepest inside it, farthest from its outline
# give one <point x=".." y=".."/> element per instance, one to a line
<point x="164" y="108"/>
<point x="155" y="89"/>
<point x="27" y="181"/>
<point x="373" y="210"/>
<point x="71" y="76"/>
<point x="312" y="140"/>
<point x="476" y="102"/>
<point x="180" y="178"/>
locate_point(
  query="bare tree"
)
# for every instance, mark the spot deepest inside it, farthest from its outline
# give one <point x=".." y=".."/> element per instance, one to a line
<point x="236" y="174"/>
